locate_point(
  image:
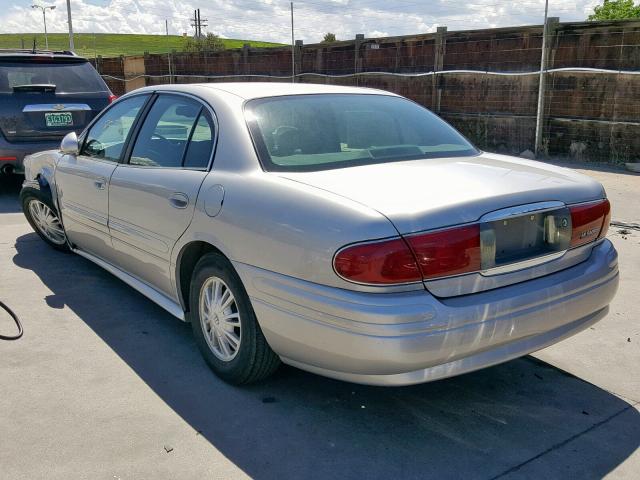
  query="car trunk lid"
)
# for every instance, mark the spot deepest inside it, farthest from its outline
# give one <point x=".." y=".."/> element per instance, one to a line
<point x="515" y="200"/>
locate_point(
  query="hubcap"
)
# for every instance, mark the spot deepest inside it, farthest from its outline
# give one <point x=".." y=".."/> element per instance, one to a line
<point x="220" y="319"/>
<point x="47" y="222"/>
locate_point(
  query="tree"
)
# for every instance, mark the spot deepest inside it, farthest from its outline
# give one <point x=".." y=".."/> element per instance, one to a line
<point x="615" y="10"/>
<point x="329" y="38"/>
<point x="210" y="43"/>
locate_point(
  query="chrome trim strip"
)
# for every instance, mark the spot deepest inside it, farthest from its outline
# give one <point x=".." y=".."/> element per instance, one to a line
<point x="520" y="210"/>
<point x="151" y="293"/>
<point x="56" y="107"/>
<point x="531" y="262"/>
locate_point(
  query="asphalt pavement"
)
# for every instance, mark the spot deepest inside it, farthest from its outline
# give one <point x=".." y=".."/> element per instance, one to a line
<point x="106" y="385"/>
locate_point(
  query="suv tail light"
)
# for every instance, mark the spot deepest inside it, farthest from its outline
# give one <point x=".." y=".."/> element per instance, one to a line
<point x="112" y="98"/>
<point x="589" y="222"/>
<point x="464" y="249"/>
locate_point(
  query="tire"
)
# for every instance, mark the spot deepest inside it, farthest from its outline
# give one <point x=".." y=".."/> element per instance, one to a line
<point x="253" y="359"/>
<point x="30" y="198"/>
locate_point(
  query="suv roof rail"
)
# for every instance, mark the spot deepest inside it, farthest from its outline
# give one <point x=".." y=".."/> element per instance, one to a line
<point x="36" y="51"/>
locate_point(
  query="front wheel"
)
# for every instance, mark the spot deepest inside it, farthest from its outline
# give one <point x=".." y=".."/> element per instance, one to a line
<point x="225" y="326"/>
<point x="44" y="219"/>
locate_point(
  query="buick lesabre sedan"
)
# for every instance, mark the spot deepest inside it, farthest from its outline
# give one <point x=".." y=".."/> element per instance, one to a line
<point x="345" y="231"/>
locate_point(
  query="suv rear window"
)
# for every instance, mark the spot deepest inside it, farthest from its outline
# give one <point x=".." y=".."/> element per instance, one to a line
<point x="71" y="77"/>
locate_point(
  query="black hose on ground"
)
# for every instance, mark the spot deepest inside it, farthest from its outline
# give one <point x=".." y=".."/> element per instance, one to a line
<point x="15" y="319"/>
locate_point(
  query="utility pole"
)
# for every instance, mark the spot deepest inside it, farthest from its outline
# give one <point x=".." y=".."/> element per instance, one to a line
<point x="166" y="28"/>
<point x="293" y="50"/>
<point x="198" y="23"/>
<point x="44" y="9"/>
<point x="541" y="83"/>
<point x="71" y="46"/>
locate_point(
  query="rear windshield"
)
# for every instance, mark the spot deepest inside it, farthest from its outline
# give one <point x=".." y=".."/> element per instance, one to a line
<point x="67" y="77"/>
<point x="318" y="132"/>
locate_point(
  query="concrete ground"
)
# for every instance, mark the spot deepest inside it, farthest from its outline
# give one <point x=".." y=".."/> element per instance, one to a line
<point x="106" y="385"/>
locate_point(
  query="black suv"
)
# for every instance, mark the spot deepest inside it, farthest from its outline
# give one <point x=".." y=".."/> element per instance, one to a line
<point x="43" y="96"/>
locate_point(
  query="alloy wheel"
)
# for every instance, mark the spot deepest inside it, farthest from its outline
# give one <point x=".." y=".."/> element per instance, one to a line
<point x="47" y="222"/>
<point x="220" y="319"/>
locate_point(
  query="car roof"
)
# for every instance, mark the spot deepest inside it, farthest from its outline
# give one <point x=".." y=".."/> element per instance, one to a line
<point x="251" y="90"/>
<point x="28" y="54"/>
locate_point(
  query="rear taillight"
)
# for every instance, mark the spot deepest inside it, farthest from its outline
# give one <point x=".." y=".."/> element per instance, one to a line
<point x="112" y="98"/>
<point x="436" y="254"/>
<point x="589" y="222"/>
<point x="447" y="252"/>
<point x="471" y="248"/>
<point x="384" y="262"/>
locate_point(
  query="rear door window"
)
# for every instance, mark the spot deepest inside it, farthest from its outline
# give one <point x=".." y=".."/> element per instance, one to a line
<point x="106" y="138"/>
<point x="171" y="123"/>
<point x="201" y="143"/>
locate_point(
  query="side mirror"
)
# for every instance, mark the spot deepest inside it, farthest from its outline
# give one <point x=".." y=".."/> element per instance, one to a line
<point x="69" y="144"/>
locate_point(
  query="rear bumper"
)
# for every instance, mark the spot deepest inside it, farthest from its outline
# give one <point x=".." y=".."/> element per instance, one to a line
<point x="20" y="150"/>
<point x="413" y="337"/>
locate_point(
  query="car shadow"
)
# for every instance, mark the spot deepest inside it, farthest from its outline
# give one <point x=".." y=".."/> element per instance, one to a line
<point x="522" y="417"/>
<point x="9" y="191"/>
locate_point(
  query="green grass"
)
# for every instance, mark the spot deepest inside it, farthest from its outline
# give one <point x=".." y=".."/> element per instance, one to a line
<point x="111" y="44"/>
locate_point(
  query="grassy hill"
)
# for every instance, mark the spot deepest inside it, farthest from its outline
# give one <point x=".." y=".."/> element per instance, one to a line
<point x="111" y="44"/>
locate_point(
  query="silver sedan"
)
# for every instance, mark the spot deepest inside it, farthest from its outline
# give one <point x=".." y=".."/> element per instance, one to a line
<point x="345" y="231"/>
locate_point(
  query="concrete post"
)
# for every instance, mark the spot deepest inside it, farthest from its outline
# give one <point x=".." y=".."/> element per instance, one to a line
<point x="245" y="59"/>
<point x="357" y="61"/>
<point x="438" y="64"/>
<point x="548" y="32"/>
<point x="298" y="56"/>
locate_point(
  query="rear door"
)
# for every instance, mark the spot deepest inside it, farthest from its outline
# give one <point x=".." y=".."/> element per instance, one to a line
<point x="83" y="180"/>
<point x="43" y="98"/>
<point x="152" y="196"/>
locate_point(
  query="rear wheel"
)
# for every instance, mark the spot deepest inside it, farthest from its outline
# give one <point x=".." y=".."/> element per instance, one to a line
<point x="44" y="219"/>
<point x="225" y="326"/>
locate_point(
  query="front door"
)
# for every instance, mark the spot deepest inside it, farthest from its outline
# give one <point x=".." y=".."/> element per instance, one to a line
<point x="152" y="196"/>
<point x="82" y="180"/>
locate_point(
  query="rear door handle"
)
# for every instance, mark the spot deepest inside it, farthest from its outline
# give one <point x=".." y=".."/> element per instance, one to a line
<point x="179" y="200"/>
<point x="99" y="184"/>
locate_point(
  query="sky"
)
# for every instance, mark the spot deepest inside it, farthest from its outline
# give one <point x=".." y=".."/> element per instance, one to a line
<point x="270" y="20"/>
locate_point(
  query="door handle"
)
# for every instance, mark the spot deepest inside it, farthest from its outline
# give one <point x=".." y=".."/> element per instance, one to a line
<point x="99" y="184"/>
<point x="179" y="200"/>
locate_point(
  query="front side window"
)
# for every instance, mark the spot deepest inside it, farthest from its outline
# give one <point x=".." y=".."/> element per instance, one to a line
<point x="106" y="138"/>
<point x="165" y="133"/>
<point x="315" y="132"/>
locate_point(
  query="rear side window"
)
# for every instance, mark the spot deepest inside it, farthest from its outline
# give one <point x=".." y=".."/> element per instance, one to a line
<point x="199" y="150"/>
<point x="175" y="133"/>
<point x="106" y="138"/>
<point x="71" y="77"/>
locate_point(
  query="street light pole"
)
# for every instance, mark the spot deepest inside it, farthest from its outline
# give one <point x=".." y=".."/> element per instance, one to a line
<point x="44" y="18"/>
<point x="71" y="46"/>
<point x="541" y="79"/>
<point x="293" y="50"/>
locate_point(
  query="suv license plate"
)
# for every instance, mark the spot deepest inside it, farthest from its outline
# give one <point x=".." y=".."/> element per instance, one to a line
<point x="58" y="119"/>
